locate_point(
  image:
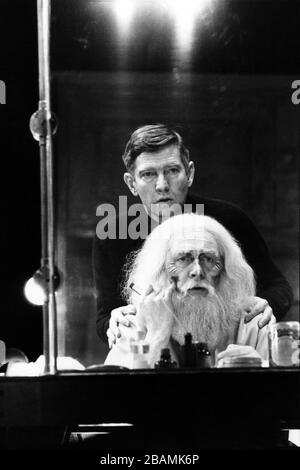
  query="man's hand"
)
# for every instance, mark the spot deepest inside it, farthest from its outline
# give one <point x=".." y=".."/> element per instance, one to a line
<point x="156" y="314"/>
<point x="156" y="309"/>
<point x="118" y="316"/>
<point x="253" y="306"/>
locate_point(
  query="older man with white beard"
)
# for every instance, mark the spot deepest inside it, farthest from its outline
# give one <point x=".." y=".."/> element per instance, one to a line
<point x="193" y="278"/>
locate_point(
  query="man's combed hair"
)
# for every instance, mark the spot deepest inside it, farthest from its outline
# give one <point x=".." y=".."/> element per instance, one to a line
<point x="151" y="138"/>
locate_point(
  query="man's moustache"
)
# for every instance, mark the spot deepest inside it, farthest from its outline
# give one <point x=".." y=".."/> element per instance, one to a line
<point x="200" y="285"/>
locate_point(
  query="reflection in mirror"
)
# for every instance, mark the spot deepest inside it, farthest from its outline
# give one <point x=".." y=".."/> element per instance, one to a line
<point x="220" y="73"/>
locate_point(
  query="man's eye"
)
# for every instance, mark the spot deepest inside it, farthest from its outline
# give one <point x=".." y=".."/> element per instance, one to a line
<point x="185" y="258"/>
<point x="173" y="171"/>
<point x="208" y="260"/>
<point x="148" y="174"/>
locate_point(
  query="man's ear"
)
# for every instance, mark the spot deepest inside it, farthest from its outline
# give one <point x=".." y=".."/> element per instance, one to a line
<point x="130" y="182"/>
<point x="191" y="173"/>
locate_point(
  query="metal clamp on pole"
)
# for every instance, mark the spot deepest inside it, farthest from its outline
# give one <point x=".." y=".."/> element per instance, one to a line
<point x="39" y="123"/>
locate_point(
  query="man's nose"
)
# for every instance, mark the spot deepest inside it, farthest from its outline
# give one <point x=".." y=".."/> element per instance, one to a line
<point x="162" y="184"/>
<point x="196" y="270"/>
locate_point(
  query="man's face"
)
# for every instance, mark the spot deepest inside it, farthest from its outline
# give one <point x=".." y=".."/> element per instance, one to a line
<point x="194" y="261"/>
<point x="202" y="308"/>
<point x="160" y="180"/>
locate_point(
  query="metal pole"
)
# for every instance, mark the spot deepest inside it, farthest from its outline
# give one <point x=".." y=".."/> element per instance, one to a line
<point x="41" y="128"/>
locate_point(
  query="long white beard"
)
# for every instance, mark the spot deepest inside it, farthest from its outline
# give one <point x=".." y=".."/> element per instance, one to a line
<point x="209" y="319"/>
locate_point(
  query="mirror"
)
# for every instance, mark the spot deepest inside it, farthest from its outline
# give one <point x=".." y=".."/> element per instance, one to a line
<point x="223" y="73"/>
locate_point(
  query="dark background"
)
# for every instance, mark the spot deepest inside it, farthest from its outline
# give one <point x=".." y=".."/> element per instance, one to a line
<point x="21" y="323"/>
<point x="275" y="53"/>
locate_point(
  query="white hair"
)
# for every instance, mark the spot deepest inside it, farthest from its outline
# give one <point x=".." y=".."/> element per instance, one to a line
<point x="147" y="266"/>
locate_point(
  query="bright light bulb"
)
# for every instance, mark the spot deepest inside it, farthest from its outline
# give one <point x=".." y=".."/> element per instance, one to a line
<point x="124" y="10"/>
<point x="185" y="13"/>
<point x="185" y="21"/>
<point x="34" y="292"/>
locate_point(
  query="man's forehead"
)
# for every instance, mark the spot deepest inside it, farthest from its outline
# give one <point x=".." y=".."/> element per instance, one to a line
<point x="158" y="159"/>
<point x="197" y="240"/>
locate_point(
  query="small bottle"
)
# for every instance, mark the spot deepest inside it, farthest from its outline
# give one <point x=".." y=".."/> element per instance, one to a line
<point x="203" y="356"/>
<point x="187" y="352"/>
<point x="139" y="350"/>
<point x="2" y="352"/>
<point x="165" y="361"/>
